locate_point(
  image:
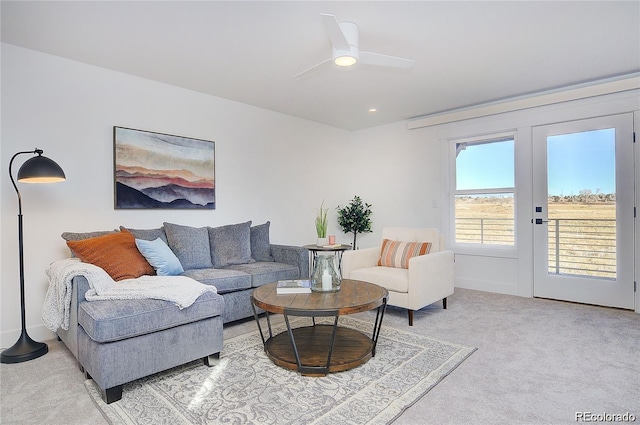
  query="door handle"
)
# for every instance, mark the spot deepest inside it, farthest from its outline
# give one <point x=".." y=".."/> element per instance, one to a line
<point x="540" y="221"/>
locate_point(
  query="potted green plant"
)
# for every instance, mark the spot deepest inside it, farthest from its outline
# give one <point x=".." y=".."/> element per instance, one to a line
<point x="321" y="226"/>
<point x="354" y="218"/>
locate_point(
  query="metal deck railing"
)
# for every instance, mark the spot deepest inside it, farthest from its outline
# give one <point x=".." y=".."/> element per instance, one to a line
<point x="578" y="247"/>
<point x="584" y="247"/>
<point x="492" y="231"/>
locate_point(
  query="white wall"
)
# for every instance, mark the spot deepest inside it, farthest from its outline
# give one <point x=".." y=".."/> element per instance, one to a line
<point x="269" y="166"/>
<point x="398" y="172"/>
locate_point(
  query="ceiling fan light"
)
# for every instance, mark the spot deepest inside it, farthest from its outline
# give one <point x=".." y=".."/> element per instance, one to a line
<point x="345" y="60"/>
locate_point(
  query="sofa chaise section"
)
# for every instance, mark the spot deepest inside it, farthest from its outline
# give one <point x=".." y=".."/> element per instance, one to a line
<point x="123" y="340"/>
<point x="117" y="341"/>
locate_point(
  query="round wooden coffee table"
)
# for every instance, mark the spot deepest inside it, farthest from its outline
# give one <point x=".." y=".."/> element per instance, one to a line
<point x="320" y="349"/>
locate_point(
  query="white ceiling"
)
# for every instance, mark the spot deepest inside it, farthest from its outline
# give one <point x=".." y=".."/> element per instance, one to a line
<point x="466" y="53"/>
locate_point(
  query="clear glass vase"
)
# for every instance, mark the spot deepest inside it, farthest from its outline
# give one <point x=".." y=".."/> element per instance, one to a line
<point x="324" y="277"/>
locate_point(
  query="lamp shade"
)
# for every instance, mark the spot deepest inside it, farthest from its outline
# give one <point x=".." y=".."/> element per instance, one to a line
<point x="40" y="169"/>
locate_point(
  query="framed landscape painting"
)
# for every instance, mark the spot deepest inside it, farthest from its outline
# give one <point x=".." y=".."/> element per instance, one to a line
<point x="155" y="170"/>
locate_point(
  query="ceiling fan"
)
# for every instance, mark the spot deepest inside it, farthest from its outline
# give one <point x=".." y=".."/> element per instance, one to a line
<point x="344" y="40"/>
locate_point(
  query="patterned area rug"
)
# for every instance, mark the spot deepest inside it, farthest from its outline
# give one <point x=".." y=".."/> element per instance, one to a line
<point x="247" y="388"/>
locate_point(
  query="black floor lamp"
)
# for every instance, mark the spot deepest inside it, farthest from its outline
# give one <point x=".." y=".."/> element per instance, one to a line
<point x="38" y="169"/>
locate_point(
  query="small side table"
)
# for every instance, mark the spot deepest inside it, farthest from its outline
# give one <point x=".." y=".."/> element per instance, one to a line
<point x="337" y="250"/>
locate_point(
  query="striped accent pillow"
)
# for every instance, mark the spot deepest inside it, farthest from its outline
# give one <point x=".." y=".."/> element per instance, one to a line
<point x="398" y="254"/>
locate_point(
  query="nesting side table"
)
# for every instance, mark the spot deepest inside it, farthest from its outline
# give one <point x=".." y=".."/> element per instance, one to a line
<point x="315" y="249"/>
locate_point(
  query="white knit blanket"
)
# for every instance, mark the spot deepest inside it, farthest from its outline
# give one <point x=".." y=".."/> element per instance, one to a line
<point x="181" y="290"/>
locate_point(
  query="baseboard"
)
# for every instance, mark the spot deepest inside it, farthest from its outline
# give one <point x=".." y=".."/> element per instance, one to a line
<point x="487" y="286"/>
<point x="38" y="333"/>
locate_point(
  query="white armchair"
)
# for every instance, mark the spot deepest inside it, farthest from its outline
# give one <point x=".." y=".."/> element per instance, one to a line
<point x="428" y="278"/>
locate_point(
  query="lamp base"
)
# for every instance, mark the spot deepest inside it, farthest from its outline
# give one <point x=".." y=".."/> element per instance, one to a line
<point x="23" y="350"/>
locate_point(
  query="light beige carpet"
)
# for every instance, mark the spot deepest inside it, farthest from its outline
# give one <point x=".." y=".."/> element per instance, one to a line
<point x="246" y="387"/>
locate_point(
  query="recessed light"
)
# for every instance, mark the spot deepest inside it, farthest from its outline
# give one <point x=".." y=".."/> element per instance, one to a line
<point x="373" y="110"/>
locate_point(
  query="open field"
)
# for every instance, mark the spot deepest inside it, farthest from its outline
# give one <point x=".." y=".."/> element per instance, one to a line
<point x="582" y="235"/>
<point x="503" y="208"/>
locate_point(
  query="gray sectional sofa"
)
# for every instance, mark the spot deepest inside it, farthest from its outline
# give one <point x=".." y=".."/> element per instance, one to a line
<point x="118" y="341"/>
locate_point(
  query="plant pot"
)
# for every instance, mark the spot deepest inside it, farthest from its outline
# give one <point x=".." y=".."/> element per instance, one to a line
<point x="322" y="241"/>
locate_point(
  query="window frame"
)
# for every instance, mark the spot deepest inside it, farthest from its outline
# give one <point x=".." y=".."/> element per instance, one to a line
<point x="472" y="247"/>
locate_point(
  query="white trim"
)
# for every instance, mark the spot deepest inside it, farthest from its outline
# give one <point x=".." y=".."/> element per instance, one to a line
<point x="487" y="191"/>
<point x="485" y="138"/>
<point x="581" y="91"/>
<point x="636" y="155"/>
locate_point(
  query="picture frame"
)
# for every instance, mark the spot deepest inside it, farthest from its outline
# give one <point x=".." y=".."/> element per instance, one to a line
<point x="162" y="171"/>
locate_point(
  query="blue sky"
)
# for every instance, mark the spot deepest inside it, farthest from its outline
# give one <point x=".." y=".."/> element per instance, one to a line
<point x="575" y="162"/>
<point x="486" y="165"/>
<point x="581" y="161"/>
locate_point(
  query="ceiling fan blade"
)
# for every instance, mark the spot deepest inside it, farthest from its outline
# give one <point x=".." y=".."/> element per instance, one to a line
<point x="318" y="65"/>
<point x="370" y="58"/>
<point x="334" y="32"/>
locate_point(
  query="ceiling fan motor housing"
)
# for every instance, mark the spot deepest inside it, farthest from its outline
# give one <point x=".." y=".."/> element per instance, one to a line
<point x="350" y="31"/>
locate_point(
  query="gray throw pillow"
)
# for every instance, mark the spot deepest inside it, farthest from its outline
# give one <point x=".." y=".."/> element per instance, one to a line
<point x="148" y="234"/>
<point x="190" y="244"/>
<point x="260" y="245"/>
<point x="71" y="236"/>
<point x="230" y="244"/>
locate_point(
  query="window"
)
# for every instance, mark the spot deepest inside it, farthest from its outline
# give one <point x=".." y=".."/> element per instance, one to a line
<point x="484" y="191"/>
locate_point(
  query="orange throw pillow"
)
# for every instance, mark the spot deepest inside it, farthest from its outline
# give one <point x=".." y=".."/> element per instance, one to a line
<point x="116" y="253"/>
<point x="397" y="253"/>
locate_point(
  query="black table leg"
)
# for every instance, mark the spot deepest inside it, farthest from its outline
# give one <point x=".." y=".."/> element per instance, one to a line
<point x="306" y="369"/>
<point x="378" y="325"/>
